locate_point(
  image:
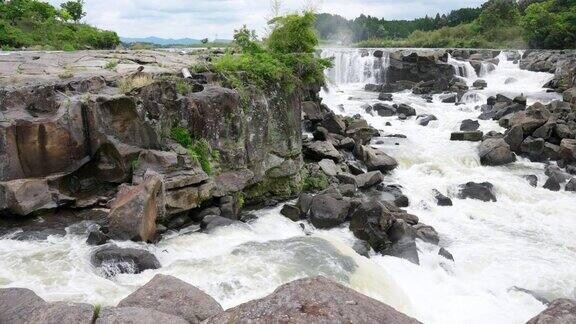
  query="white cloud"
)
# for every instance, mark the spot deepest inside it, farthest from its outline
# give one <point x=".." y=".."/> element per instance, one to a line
<point x="207" y="18"/>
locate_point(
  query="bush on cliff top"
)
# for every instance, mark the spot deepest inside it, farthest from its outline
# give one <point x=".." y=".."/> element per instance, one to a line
<point x="285" y="59"/>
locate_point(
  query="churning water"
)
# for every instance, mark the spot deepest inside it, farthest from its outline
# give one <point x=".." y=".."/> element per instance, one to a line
<point x="524" y="240"/>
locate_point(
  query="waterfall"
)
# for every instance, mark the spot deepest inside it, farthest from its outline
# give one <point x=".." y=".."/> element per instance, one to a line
<point x="462" y="69"/>
<point x="356" y="66"/>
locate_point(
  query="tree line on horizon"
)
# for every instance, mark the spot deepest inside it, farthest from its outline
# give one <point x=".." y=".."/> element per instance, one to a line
<point x="548" y="24"/>
<point x="38" y="24"/>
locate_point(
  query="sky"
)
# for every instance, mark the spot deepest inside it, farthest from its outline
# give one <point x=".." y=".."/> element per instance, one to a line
<point x="219" y="18"/>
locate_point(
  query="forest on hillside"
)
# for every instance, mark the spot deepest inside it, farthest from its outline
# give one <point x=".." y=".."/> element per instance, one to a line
<point x="37" y="24"/>
<point x="549" y="24"/>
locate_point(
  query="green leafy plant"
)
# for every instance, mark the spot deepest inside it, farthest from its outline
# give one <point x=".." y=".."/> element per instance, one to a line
<point x="200" y="151"/>
<point x="112" y="65"/>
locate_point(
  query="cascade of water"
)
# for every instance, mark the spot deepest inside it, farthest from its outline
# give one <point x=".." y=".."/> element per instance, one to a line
<point x="355" y="66"/>
<point x="464" y="70"/>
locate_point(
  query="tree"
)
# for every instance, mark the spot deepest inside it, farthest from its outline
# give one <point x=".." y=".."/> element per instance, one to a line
<point x="550" y="24"/>
<point x="75" y="9"/>
<point x="498" y="13"/>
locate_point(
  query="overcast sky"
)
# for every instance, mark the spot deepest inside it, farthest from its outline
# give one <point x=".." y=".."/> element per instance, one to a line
<point x="207" y="18"/>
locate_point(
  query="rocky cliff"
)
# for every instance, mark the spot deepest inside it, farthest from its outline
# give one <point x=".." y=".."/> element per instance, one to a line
<point x="70" y="140"/>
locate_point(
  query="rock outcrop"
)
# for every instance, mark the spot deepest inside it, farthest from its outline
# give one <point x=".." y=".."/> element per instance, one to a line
<point x="18" y="305"/>
<point x="560" y="311"/>
<point x="313" y="300"/>
<point x="173" y="296"/>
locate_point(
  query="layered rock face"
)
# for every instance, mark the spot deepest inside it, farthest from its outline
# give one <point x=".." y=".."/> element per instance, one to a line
<point x="70" y="143"/>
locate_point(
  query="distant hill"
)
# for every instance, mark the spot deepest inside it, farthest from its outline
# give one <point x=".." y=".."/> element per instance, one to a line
<point x="161" y="41"/>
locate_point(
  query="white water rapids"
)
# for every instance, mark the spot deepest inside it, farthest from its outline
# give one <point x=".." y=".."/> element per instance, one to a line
<point x="526" y="239"/>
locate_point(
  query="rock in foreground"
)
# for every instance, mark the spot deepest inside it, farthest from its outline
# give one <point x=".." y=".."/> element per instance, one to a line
<point x="171" y="295"/>
<point x="561" y="311"/>
<point x="313" y="300"/>
<point x="19" y="305"/>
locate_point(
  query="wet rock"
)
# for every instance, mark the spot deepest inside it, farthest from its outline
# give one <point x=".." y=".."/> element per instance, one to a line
<point x="480" y="84"/>
<point x="378" y="53"/>
<point x="445" y="254"/>
<point x="532" y="179"/>
<point x="425" y="119"/>
<point x="179" y="221"/>
<point x="113" y="260"/>
<point x="313" y="300"/>
<point x="134" y="212"/>
<point x="334" y="124"/>
<point x="317" y="151"/>
<point x="510" y="80"/>
<point x="96" y="237"/>
<point x="369" y="179"/>
<point x="469" y="125"/>
<point x="406" y="110"/>
<point x="479" y="191"/>
<point x="384" y="110"/>
<point x="19" y="305"/>
<point x="113" y="315"/>
<point x="376" y="160"/>
<point x="552" y="184"/>
<point x="568" y="149"/>
<point x="373" y="87"/>
<point x="521" y="99"/>
<point x="362" y="248"/>
<point x="173" y="296"/>
<point x="327" y="211"/>
<point x="514" y="137"/>
<point x="304" y="203"/>
<point x="560" y="311"/>
<point x="449" y="98"/>
<point x="397" y="197"/>
<point x="403" y="241"/>
<point x="442" y="200"/>
<point x="313" y="111"/>
<point x="427" y="234"/>
<point x="212" y="222"/>
<point x="370" y="222"/>
<point x="474" y="136"/>
<point x="385" y="96"/>
<point x="291" y="212"/>
<point x="571" y="185"/>
<point x="533" y="147"/>
<point x="495" y="152"/>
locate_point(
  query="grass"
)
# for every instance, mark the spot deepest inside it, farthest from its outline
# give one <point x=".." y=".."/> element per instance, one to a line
<point x="111" y="65"/>
<point x="200" y="151"/>
<point x="130" y="83"/>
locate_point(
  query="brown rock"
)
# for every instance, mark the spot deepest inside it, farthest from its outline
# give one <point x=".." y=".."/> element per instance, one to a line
<point x="313" y="300"/>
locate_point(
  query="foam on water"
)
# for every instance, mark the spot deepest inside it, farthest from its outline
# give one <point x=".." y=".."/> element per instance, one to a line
<point x="525" y="239"/>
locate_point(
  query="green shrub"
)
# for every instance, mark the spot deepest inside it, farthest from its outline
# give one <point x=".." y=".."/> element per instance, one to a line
<point x="550" y="24"/>
<point x="200" y="151"/>
<point x="285" y="60"/>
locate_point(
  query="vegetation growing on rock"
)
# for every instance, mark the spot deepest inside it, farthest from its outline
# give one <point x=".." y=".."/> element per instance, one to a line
<point x="285" y="59"/>
<point x="31" y="23"/>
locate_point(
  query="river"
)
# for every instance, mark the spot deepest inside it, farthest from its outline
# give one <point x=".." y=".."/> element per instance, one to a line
<point x="525" y="239"/>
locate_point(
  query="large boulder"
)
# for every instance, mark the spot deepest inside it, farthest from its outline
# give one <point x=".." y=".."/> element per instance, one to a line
<point x="134" y="212"/>
<point x="171" y="295"/>
<point x="495" y="151"/>
<point x="370" y="222"/>
<point x="403" y="238"/>
<point x="133" y="315"/>
<point x="313" y="300"/>
<point x="568" y="149"/>
<point x="19" y="305"/>
<point x="369" y="179"/>
<point x="376" y="159"/>
<point x="112" y="260"/>
<point x="319" y="150"/>
<point x="560" y="311"/>
<point x="479" y="191"/>
<point x="327" y="211"/>
<point x="25" y="196"/>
